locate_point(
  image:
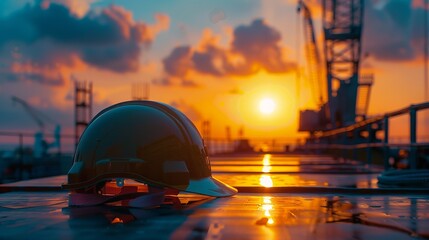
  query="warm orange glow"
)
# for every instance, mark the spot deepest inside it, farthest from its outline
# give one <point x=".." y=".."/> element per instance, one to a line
<point x="267" y="200"/>
<point x="267" y="106"/>
<point x="117" y="220"/>
<point x="266" y="169"/>
<point x="266" y="181"/>
<point x="243" y="109"/>
<point x="266" y="162"/>
<point x="267" y="207"/>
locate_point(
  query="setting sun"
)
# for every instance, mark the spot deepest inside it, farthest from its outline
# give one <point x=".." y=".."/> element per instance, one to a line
<point x="267" y="106"/>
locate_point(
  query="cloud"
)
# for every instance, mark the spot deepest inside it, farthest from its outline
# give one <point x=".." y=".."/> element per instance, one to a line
<point x="212" y="61"/>
<point x="48" y="40"/>
<point x="178" y="62"/>
<point x="418" y="4"/>
<point x="254" y="47"/>
<point x="394" y="30"/>
<point x="259" y="44"/>
<point x="388" y="32"/>
<point x="77" y="7"/>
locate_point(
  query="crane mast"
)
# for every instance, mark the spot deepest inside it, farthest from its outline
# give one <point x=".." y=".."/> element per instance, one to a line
<point x="342" y="25"/>
<point x="347" y="96"/>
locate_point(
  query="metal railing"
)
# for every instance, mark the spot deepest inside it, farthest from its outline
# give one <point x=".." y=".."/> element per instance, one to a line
<point x="349" y="139"/>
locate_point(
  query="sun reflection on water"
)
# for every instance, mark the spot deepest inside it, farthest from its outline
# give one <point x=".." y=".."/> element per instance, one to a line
<point x="266" y="181"/>
<point x="266" y="160"/>
<point x="266" y="169"/>
<point x="267" y="207"/>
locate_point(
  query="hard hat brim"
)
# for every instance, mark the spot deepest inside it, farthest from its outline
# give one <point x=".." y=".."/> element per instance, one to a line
<point x="210" y="186"/>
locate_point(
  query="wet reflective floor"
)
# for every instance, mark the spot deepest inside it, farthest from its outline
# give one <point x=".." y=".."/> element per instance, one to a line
<point x="37" y="209"/>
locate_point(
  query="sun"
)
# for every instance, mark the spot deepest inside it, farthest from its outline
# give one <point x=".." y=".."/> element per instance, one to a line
<point x="267" y="106"/>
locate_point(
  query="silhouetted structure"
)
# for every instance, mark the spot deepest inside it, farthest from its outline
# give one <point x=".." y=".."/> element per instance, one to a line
<point x="342" y="26"/>
<point x="206" y="133"/>
<point x="140" y="91"/>
<point x="83" y="107"/>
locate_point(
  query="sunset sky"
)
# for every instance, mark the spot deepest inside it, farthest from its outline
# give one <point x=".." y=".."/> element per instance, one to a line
<point x="214" y="60"/>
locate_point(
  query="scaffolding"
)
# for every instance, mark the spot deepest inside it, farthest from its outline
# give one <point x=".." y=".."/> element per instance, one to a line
<point x="83" y="107"/>
<point x="140" y="91"/>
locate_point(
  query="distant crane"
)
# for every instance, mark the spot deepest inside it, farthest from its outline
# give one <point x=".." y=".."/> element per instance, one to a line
<point x="314" y="61"/>
<point x="33" y="112"/>
<point x="347" y="94"/>
<point x="40" y="144"/>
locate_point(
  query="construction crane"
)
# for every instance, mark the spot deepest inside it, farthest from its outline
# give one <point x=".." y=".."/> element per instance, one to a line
<point x="32" y="112"/>
<point x="40" y="144"/>
<point x="314" y="62"/>
<point x="342" y="26"/>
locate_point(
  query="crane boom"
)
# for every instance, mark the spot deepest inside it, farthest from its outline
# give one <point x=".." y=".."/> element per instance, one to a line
<point x="312" y="52"/>
<point x="30" y="110"/>
<point x="37" y="116"/>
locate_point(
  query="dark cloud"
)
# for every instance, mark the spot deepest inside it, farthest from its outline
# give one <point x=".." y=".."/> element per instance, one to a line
<point x="254" y="47"/>
<point x="259" y="44"/>
<point x="178" y="62"/>
<point x="205" y="61"/>
<point x="393" y="30"/>
<point x="51" y="37"/>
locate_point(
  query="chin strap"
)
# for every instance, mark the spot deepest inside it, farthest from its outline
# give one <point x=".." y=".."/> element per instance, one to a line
<point x="137" y="195"/>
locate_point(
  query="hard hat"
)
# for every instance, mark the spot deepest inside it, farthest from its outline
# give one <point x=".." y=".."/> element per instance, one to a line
<point x="146" y="141"/>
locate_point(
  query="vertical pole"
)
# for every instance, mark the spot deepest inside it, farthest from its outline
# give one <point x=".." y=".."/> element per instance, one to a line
<point x="386" y="148"/>
<point x="76" y="92"/>
<point x="426" y="94"/>
<point x="355" y="142"/>
<point x="413" y="137"/>
<point x="90" y="102"/>
<point x="21" y="156"/>
<point x="368" y="147"/>
<point x="426" y="52"/>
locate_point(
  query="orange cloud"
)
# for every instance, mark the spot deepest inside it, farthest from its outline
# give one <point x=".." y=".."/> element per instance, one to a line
<point x="254" y="47"/>
<point x="77" y="7"/>
<point x="418" y="4"/>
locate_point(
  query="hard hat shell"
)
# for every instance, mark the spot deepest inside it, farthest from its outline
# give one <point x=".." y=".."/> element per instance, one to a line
<point x="147" y="141"/>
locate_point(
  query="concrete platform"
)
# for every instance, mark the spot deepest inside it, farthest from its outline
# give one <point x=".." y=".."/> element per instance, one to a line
<point x="298" y="209"/>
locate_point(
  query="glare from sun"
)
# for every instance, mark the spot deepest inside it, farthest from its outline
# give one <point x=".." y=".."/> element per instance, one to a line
<point x="267" y="106"/>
